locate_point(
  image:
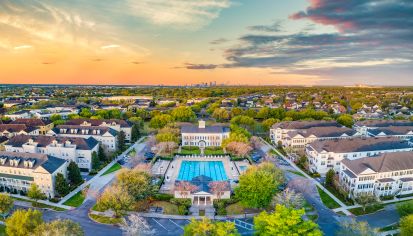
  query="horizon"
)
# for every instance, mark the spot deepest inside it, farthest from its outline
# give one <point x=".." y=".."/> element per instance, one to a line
<point x="232" y="43"/>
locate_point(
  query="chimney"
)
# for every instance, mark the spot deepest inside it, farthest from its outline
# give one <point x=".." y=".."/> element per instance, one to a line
<point x="201" y="124"/>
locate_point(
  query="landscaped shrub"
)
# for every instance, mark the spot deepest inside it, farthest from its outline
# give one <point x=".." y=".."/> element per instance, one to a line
<point x="405" y="208"/>
<point x="162" y="197"/>
<point x="221" y="205"/>
<point x="384" y="198"/>
<point x="183" y="205"/>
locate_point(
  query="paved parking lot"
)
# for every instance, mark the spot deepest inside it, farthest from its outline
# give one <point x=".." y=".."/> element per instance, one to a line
<point x="176" y="227"/>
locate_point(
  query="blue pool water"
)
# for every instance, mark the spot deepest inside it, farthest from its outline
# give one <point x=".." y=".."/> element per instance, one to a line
<point x="213" y="169"/>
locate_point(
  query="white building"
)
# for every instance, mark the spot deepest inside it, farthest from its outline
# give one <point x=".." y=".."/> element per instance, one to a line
<point x="108" y="137"/>
<point x="364" y="127"/>
<point x="299" y="138"/>
<point x="19" y="170"/>
<point x="278" y="131"/>
<point x="19" y="115"/>
<point x="47" y="113"/>
<point x="204" y="136"/>
<point x="10" y="130"/>
<point x="116" y="124"/>
<point x="402" y="132"/>
<point x="78" y="150"/>
<point x="388" y="174"/>
<point x="325" y="155"/>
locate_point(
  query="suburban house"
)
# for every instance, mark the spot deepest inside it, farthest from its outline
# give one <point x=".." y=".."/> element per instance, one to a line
<point x="203" y="136"/>
<point x="43" y="125"/>
<point x="78" y="150"/>
<point x="278" y="131"/>
<point x="19" y="170"/>
<point x="108" y="137"/>
<point x="388" y="174"/>
<point x="325" y="155"/>
<point x="22" y="114"/>
<point x="47" y="113"/>
<point x="10" y="130"/>
<point x="299" y="138"/>
<point x="116" y="124"/>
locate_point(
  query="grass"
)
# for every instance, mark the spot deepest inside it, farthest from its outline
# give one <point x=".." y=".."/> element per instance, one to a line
<point x="370" y="209"/>
<point x="168" y="208"/>
<point x="39" y="205"/>
<point x="113" y="168"/>
<point x="2" y="230"/>
<point x="342" y="198"/>
<point x="96" y="208"/>
<point x="327" y="200"/>
<point x="390" y="227"/>
<point x="340" y="213"/>
<point x="313" y="217"/>
<point x="105" y="219"/>
<point x="296" y="172"/>
<point x="76" y="200"/>
<point x="235" y="209"/>
<point x="209" y="151"/>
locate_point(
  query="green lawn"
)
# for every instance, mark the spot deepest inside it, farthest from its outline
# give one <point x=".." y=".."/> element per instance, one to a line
<point x="342" y="198"/>
<point x="2" y="230"/>
<point x="190" y="151"/>
<point x="390" y="227"/>
<point x="113" y="168"/>
<point x="210" y="151"/>
<point x="105" y="219"/>
<point x="370" y="209"/>
<point x="327" y="200"/>
<point x="168" y="208"/>
<point x="235" y="209"/>
<point x="76" y="200"/>
<point x="296" y="173"/>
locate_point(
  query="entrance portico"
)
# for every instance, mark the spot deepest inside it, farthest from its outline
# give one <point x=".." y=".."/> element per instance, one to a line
<point x="202" y="199"/>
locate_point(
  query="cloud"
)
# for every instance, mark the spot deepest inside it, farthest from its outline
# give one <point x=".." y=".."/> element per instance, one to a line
<point x="275" y="27"/>
<point x="369" y="34"/>
<point x="219" y="41"/>
<point x="109" y="46"/>
<point x="193" y="14"/>
<point x="22" y="47"/>
<point x="192" y="66"/>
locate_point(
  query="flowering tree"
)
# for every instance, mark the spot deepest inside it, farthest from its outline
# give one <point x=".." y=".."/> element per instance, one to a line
<point x="289" y="198"/>
<point x="255" y="142"/>
<point x="238" y="148"/>
<point x="136" y="225"/>
<point x="218" y="188"/>
<point x="166" y="147"/>
<point x="184" y="188"/>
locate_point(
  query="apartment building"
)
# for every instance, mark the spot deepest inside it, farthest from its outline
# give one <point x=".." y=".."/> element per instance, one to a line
<point x="365" y="126"/>
<point x="22" y="114"/>
<point x="297" y="139"/>
<point x="203" y="136"/>
<point x="10" y="130"/>
<point x="116" y="124"/>
<point x="78" y="150"/>
<point x="43" y="125"/>
<point x="325" y="155"/>
<point x="19" y="170"/>
<point x="403" y="132"/>
<point x="388" y="174"/>
<point x="278" y="131"/>
<point x="107" y="136"/>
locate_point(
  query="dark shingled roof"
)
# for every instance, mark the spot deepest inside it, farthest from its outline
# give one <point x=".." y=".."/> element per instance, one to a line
<point x="31" y="122"/>
<point x="304" y="124"/>
<point x="384" y="123"/>
<point x="49" y="163"/>
<point x="94" y="122"/>
<point x="43" y="141"/>
<point x="392" y="130"/>
<point x="329" y="131"/>
<point x="359" y="144"/>
<point x="386" y="162"/>
<point x="208" y="129"/>
<point x="103" y="129"/>
<point x="12" y="128"/>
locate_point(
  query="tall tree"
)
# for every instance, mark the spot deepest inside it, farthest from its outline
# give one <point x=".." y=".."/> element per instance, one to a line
<point x="239" y="148"/>
<point x="35" y="193"/>
<point x="59" y="227"/>
<point x="365" y="200"/>
<point x="330" y="178"/>
<point x="95" y="161"/>
<point x="183" y="113"/>
<point x="61" y="186"/>
<point x="284" y="221"/>
<point x="6" y="203"/>
<point x="406" y="226"/>
<point x="218" y="188"/>
<point x="258" y="184"/>
<point x="355" y="228"/>
<point x="206" y="227"/>
<point x="136" y="226"/>
<point x="121" y="141"/>
<point x="289" y="198"/>
<point x="405" y="208"/>
<point x="135" y="133"/>
<point x="116" y="199"/>
<point x="136" y="182"/>
<point x="23" y="223"/>
<point x="74" y="173"/>
<point x="160" y="121"/>
<point x="346" y="120"/>
<point x="102" y="155"/>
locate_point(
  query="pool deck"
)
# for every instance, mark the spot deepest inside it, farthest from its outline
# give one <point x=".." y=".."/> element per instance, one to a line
<point x="173" y="170"/>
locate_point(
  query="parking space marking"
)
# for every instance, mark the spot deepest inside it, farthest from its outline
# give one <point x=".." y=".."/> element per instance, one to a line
<point x="160" y="224"/>
<point x="176" y="224"/>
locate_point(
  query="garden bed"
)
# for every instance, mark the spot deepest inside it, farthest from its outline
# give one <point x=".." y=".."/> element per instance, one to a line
<point x="370" y="209"/>
<point x="105" y="219"/>
<point x="168" y="208"/>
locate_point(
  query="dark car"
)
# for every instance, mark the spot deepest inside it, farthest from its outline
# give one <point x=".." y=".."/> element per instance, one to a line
<point x="256" y="157"/>
<point x="149" y="155"/>
<point x="282" y="187"/>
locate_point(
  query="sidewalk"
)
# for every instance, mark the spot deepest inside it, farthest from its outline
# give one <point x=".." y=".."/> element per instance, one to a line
<point x="292" y="164"/>
<point x="97" y="176"/>
<point x="42" y="201"/>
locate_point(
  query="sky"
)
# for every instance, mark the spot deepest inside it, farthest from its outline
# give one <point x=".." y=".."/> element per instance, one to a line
<point x="182" y="42"/>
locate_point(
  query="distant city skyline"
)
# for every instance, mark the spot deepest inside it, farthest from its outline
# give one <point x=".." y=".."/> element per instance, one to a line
<point x="177" y="42"/>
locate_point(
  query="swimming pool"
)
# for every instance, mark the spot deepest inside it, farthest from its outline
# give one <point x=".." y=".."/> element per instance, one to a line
<point x="213" y="169"/>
